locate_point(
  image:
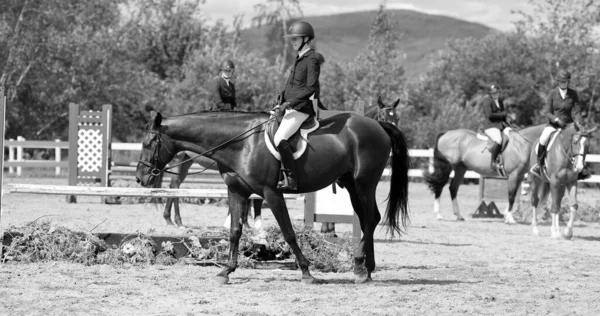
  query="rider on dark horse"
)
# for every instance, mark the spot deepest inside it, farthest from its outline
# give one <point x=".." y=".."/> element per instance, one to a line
<point x="302" y="83"/>
<point x="223" y="89"/>
<point x="493" y="108"/>
<point x="561" y="106"/>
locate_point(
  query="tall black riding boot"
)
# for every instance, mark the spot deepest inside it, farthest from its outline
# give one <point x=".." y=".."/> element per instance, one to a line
<point x="287" y="158"/>
<point x="495" y="151"/>
<point x="541" y="154"/>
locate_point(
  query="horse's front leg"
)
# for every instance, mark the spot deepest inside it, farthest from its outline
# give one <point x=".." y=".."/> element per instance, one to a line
<point x="280" y="211"/>
<point x="556" y="191"/>
<point x="513" y="187"/>
<point x="539" y="192"/>
<point x="459" y="175"/>
<point x="573" y="206"/>
<point x="237" y="204"/>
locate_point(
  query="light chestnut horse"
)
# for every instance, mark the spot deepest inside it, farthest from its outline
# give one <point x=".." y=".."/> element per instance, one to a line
<point x="460" y="150"/>
<point x="564" y="160"/>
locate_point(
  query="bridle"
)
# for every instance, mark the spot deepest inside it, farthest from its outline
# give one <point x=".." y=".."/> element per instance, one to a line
<point x="381" y="114"/>
<point x="154" y="170"/>
<point x="573" y="156"/>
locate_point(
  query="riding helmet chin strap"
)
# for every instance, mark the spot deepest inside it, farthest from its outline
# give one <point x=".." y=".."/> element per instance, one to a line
<point x="303" y="43"/>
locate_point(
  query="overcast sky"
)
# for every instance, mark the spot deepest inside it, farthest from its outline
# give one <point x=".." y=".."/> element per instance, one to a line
<point x="493" y="13"/>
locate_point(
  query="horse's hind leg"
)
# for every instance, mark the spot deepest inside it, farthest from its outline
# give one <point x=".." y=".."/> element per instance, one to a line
<point x="179" y="174"/>
<point x="167" y="211"/>
<point x="573" y="206"/>
<point x="362" y="196"/>
<point x="257" y="205"/>
<point x="539" y="192"/>
<point x="459" y="175"/>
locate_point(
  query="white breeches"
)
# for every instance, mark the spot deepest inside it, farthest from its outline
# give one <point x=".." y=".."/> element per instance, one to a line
<point x="494" y="134"/>
<point x="291" y="122"/>
<point x="545" y="137"/>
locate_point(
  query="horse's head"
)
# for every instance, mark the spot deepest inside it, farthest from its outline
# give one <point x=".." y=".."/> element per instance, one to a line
<point x="579" y="146"/>
<point x="157" y="150"/>
<point x="387" y="113"/>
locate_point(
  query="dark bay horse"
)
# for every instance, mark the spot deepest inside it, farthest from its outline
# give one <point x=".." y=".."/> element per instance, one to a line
<point x="382" y="112"/>
<point x="348" y="148"/>
<point x="183" y="161"/>
<point x="460" y="150"/>
<point x="564" y="160"/>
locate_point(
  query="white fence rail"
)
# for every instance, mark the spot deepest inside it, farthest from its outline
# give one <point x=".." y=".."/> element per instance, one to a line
<point x="16" y="160"/>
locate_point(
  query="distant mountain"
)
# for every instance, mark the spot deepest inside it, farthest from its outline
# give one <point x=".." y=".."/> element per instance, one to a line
<point x="343" y="36"/>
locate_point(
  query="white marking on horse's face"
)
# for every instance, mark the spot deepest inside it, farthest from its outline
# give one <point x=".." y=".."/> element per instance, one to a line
<point x="580" y="158"/>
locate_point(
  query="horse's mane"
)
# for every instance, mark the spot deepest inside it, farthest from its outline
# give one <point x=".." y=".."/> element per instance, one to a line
<point x="518" y="137"/>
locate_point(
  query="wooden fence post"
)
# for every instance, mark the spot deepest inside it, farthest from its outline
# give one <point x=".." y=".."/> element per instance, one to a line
<point x="20" y="155"/>
<point x="57" y="157"/>
<point x="2" y="117"/>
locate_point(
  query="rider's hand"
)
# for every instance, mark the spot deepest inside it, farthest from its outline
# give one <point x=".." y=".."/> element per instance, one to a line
<point x="278" y="98"/>
<point x="276" y="110"/>
<point x="285" y="105"/>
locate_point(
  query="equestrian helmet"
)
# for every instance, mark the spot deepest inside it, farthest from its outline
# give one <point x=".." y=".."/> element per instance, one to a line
<point x="227" y="64"/>
<point x="494" y="88"/>
<point x="563" y="75"/>
<point x="301" y="29"/>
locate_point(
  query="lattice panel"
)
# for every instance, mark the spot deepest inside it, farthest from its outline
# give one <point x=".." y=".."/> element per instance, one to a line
<point x="89" y="150"/>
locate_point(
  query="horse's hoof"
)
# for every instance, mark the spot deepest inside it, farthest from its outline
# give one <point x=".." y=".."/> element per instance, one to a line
<point x="181" y="227"/>
<point x="460" y="219"/>
<point x="362" y="279"/>
<point x="439" y="218"/>
<point x="309" y="280"/>
<point x="221" y="279"/>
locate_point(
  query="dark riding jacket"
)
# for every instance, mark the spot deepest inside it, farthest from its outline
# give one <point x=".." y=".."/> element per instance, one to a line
<point x="223" y="95"/>
<point x="302" y="83"/>
<point x="567" y="109"/>
<point x="495" y="115"/>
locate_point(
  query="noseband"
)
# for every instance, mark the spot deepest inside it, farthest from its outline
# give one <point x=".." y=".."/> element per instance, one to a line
<point x="154" y="170"/>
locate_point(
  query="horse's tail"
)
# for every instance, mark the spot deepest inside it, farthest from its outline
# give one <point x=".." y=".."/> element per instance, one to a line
<point x="398" y="195"/>
<point x="441" y="171"/>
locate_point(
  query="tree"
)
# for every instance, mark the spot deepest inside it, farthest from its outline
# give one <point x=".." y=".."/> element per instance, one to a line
<point x="563" y="34"/>
<point x="275" y="14"/>
<point x="377" y="70"/>
<point x="42" y="60"/>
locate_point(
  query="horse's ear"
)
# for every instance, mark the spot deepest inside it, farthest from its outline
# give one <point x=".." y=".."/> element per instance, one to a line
<point x="157" y="118"/>
<point x="396" y="103"/>
<point x="380" y="103"/>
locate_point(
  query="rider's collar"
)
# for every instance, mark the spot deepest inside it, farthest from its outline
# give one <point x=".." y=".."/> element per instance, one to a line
<point x="226" y="79"/>
<point x="303" y="51"/>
